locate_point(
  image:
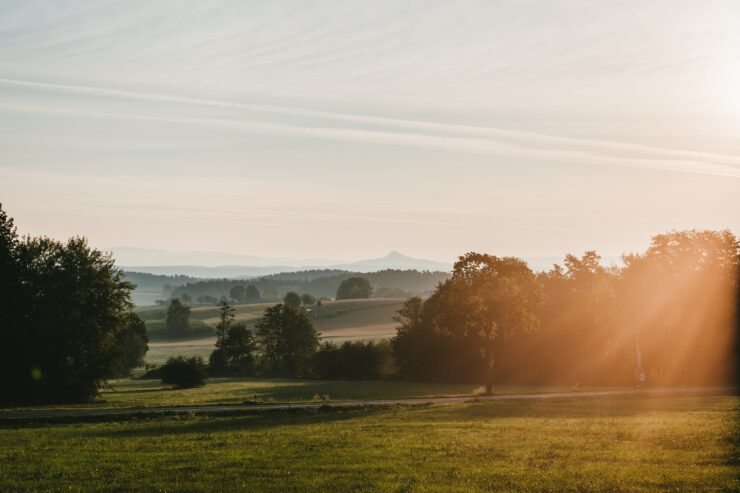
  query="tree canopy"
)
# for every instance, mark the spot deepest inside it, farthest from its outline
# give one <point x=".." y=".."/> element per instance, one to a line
<point x="287" y="340"/>
<point x="66" y="319"/>
<point x="292" y="299"/>
<point x="354" y="288"/>
<point x="178" y="318"/>
<point x="670" y="312"/>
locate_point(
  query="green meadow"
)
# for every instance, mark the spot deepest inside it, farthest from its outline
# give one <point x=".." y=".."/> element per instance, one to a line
<point x="589" y="444"/>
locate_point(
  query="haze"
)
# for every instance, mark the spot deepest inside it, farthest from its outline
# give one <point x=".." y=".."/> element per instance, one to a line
<point x="345" y="130"/>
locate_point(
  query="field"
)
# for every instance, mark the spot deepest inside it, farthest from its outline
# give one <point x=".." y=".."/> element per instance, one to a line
<point x="590" y="444"/>
<point x="337" y="321"/>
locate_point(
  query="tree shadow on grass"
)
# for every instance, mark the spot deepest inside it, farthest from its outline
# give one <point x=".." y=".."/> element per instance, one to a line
<point x="574" y="407"/>
<point x="183" y="425"/>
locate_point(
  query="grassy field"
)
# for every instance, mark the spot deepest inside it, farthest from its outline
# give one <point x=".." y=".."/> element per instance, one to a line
<point x="592" y="444"/>
<point x="337" y="321"/>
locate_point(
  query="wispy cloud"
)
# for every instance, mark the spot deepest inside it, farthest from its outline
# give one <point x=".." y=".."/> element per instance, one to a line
<point x="413" y="133"/>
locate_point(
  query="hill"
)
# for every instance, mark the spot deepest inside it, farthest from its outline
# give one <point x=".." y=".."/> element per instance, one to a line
<point x="213" y="265"/>
<point x="152" y="287"/>
<point x="321" y="284"/>
<point x="336" y="321"/>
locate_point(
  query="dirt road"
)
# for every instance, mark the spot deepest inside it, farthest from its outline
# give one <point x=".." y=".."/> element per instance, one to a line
<point x="348" y="404"/>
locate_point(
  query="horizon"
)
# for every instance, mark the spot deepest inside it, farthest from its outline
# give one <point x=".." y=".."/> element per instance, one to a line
<point x="341" y="131"/>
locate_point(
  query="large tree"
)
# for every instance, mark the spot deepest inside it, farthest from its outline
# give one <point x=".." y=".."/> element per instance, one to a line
<point x="354" y="288"/>
<point x="178" y="318"/>
<point x="678" y="302"/>
<point x="66" y="322"/>
<point x="292" y="299"/>
<point x="287" y="340"/>
<point x="488" y="298"/>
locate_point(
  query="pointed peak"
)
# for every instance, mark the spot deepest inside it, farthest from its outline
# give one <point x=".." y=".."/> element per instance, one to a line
<point x="395" y="254"/>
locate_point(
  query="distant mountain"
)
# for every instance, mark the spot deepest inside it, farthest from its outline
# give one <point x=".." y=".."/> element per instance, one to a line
<point x="216" y="272"/>
<point x="205" y="264"/>
<point x="130" y="256"/>
<point x="394" y="260"/>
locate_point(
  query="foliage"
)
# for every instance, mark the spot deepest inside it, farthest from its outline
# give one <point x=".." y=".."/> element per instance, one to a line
<point x="131" y="346"/>
<point x="178" y="318"/>
<point x="183" y="372"/>
<point x="354" y="360"/>
<point x="318" y="283"/>
<point x="287" y="341"/>
<point x="207" y="300"/>
<point x="292" y="299"/>
<point x="354" y="288"/>
<point x="66" y="319"/>
<point x="239" y="348"/>
<point x="235" y="353"/>
<point x="226" y="314"/>
<point x="308" y="299"/>
<point x="245" y="294"/>
<point x="676" y="305"/>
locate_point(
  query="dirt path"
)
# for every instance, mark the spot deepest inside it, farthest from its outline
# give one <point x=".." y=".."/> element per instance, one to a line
<point x="250" y="408"/>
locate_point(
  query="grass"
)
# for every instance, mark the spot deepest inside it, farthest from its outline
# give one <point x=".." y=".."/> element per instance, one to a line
<point x="593" y="444"/>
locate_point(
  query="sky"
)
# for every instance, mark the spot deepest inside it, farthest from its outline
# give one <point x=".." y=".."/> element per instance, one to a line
<point x="344" y="130"/>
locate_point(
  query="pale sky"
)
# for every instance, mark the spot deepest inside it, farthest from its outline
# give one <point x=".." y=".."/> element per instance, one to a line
<point x="344" y="130"/>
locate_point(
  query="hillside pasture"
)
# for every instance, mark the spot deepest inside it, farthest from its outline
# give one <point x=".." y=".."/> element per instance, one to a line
<point x="336" y="321"/>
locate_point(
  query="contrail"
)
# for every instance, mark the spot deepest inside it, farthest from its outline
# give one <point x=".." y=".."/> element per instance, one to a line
<point x="467" y="145"/>
<point x="470" y="139"/>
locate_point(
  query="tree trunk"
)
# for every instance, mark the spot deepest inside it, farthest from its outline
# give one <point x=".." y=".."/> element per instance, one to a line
<point x="489" y="388"/>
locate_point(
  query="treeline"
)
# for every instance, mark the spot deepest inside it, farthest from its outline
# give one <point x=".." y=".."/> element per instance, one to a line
<point x="284" y="343"/>
<point x="385" y="283"/>
<point x="669" y="316"/>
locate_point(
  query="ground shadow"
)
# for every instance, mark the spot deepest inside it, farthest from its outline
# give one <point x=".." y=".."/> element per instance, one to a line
<point x="214" y="424"/>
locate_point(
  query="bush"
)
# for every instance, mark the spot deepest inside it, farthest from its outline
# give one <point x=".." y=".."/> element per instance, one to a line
<point x="184" y="372"/>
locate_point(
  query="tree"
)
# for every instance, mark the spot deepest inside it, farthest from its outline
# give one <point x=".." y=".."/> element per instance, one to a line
<point x="292" y="300"/>
<point x="238" y="294"/>
<point x="178" y="317"/>
<point x="66" y="319"/>
<point x="239" y="347"/>
<point x="252" y="294"/>
<point x="245" y="294"/>
<point x="308" y="299"/>
<point x="186" y="298"/>
<point x="488" y="297"/>
<point x="130" y="347"/>
<point x="353" y="360"/>
<point x="287" y="341"/>
<point x="226" y="314"/>
<point x="184" y="372"/>
<point x="354" y="288"/>
<point x="207" y="299"/>
<point x="678" y="303"/>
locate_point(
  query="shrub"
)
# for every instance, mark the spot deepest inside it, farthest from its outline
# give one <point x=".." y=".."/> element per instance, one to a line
<point x="184" y="372"/>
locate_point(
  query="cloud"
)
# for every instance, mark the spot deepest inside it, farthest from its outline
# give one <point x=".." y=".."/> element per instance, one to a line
<point x="410" y="133"/>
